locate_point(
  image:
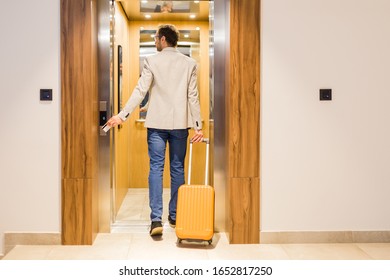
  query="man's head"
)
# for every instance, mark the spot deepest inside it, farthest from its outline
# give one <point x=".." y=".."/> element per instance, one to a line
<point x="167" y="7"/>
<point x="166" y="36"/>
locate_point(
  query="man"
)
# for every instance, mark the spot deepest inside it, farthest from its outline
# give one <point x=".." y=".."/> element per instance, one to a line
<point x="165" y="7"/>
<point x="173" y="107"/>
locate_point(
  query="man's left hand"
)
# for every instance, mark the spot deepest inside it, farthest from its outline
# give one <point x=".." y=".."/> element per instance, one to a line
<point x="198" y="136"/>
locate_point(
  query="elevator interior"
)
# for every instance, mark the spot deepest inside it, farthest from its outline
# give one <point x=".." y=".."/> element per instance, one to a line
<point x="132" y="26"/>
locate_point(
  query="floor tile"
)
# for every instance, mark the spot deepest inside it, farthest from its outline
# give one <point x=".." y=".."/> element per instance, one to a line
<point x="378" y="251"/>
<point x="249" y="252"/>
<point x="325" y="252"/>
<point x="29" y="252"/>
<point x="144" y="247"/>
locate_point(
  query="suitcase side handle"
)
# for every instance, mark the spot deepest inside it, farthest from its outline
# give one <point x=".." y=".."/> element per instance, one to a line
<point x="206" y="179"/>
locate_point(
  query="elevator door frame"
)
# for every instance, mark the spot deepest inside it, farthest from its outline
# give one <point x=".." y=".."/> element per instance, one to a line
<point x="239" y="141"/>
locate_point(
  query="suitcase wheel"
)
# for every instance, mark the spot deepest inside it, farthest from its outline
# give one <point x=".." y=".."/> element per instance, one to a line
<point x="209" y="241"/>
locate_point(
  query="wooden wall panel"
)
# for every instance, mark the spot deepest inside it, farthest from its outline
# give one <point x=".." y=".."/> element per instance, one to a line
<point x="137" y="136"/>
<point x="243" y="122"/>
<point x="77" y="211"/>
<point x="245" y="210"/>
<point x="122" y="147"/>
<point x="79" y="119"/>
<point x="244" y="97"/>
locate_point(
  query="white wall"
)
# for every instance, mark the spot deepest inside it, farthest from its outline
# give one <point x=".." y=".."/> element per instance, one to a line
<point x="30" y="130"/>
<point x="325" y="165"/>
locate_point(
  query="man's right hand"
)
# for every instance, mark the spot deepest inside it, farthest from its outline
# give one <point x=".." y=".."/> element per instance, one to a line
<point x="114" y="121"/>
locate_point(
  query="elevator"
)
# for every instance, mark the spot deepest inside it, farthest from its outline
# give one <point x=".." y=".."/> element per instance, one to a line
<point x="123" y="151"/>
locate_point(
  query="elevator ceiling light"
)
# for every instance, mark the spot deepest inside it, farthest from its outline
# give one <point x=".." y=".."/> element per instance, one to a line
<point x="197" y="28"/>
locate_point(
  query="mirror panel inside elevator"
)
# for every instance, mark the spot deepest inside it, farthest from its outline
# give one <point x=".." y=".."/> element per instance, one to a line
<point x="133" y="24"/>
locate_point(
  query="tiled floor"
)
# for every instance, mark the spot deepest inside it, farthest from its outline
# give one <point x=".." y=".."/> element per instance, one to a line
<point x="138" y="245"/>
<point x="135" y="206"/>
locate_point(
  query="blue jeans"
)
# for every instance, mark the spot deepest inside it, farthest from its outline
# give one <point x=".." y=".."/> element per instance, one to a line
<point x="157" y="140"/>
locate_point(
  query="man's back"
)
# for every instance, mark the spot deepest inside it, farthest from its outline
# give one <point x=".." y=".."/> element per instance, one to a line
<point x="174" y="82"/>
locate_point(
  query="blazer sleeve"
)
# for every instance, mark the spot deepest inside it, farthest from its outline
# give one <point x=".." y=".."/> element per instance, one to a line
<point x="193" y="100"/>
<point x="139" y="91"/>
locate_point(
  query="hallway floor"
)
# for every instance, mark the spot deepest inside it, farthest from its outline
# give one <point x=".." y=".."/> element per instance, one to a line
<point x="140" y="246"/>
<point x="122" y="245"/>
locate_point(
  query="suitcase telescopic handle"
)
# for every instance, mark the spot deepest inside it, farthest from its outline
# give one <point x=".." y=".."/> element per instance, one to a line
<point x="206" y="179"/>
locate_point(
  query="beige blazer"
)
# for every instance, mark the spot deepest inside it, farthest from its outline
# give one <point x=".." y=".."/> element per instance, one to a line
<point x="171" y="79"/>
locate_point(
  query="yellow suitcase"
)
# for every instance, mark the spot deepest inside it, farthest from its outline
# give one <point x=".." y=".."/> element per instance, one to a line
<point x="195" y="207"/>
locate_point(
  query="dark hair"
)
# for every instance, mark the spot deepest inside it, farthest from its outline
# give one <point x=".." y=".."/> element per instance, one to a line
<point x="170" y="33"/>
